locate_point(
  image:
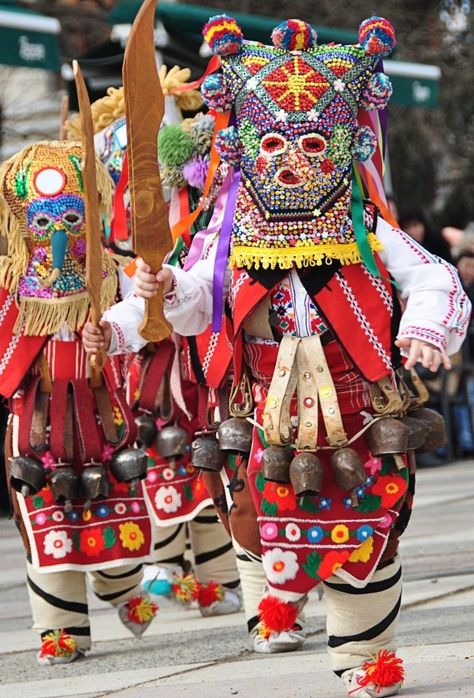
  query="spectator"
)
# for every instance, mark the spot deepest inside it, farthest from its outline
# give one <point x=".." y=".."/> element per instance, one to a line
<point x="414" y="222"/>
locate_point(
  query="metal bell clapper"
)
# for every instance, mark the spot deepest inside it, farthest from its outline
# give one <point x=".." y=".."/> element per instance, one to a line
<point x="276" y="464"/>
<point x="206" y="454"/>
<point x="94" y="482"/>
<point x="146" y="429"/>
<point x="129" y="465"/>
<point x="306" y="474"/>
<point x="388" y="436"/>
<point x="26" y="475"/>
<point x="348" y="471"/>
<point x="235" y="435"/>
<point x="436" y="435"/>
<point x="64" y="484"/>
<point x="172" y="442"/>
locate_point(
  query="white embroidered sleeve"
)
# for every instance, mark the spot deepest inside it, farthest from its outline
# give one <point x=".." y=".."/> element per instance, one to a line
<point x="188" y="306"/>
<point x="436" y="309"/>
<point x="125" y="318"/>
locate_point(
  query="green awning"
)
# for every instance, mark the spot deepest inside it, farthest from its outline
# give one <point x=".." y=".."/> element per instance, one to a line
<point x="28" y="39"/>
<point x="192" y="18"/>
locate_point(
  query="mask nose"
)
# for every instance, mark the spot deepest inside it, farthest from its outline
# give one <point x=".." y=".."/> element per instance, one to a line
<point x="58" y="245"/>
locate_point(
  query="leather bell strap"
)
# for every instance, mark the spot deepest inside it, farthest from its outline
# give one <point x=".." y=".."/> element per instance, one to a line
<point x="106" y="414"/>
<point x="33" y="419"/>
<point x="61" y="439"/>
<point x="314" y="361"/>
<point x="307" y="390"/>
<point x="276" y="416"/>
<point x="385" y="397"/>
<point x="87" y="430"/>
<point x="116" y="398"/>
<point x="152" y="374"/>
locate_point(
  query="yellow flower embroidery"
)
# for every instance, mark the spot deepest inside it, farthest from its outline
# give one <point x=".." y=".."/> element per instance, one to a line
<point x="131" y="536"/>
<point x="340" y="534"/>
<point x="118" y="417"/>
<point x="363" y="552"/>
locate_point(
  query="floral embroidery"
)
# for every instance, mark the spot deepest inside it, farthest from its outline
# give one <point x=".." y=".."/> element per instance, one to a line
<point x="281" y="495"/>
<point x="390" y="488"/>
<point x="269" y="531"/>
<point x="131" y="536"/>
<point x="363" y="552"/>
<point x="168" y="499"/>
<point x="331" y="562"/>
<point x="364" y="532"/>
<point x="340" y="534"/>
<point x="279" y="565"/>
<point x="292" y="532"/>
<point x="57" y="543"/>
<point x="315" y="534"/>
<point x="91" y="542"/>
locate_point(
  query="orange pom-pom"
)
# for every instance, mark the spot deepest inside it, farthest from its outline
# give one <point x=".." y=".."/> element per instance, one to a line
<point x="385" y="669"/>
<point x="276" y="615"/>
<point x="208" y="593"/>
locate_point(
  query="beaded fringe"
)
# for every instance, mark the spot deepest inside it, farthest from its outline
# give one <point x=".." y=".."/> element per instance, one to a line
<point x="304" y="256"/>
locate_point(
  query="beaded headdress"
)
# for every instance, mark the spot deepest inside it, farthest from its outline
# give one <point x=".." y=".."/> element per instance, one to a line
<point x="42" y="216"/>
<point x="295" y="131"/>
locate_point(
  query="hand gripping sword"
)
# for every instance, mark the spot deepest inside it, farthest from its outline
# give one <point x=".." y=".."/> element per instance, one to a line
<point x="144" y="109"/>
<point x="93" y="222"/>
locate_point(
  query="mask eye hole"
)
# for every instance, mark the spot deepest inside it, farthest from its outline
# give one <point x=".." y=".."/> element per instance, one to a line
<point x="313" y="144"/>
<point x="73" y="219"/>
<point x="41" y="222"/>
<point x="273" y="144"/>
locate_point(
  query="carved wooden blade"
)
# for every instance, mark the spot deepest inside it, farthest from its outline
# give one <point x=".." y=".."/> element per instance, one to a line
<point x="91" y="204"/>
<point x="144" y="108"/>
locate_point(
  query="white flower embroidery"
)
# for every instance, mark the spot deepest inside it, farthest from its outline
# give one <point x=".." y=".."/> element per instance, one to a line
<point x="168" y="499"/>
<point x="168" y="473"/>
<point x="251" y="84"/>
<point x="339" y="85"/>
<point x="313" y="115"/>
<point x="280" y="566"/>
<point x="292" y="532"/>
<point x="57" y="544"/>
<point x="281" y="115"/>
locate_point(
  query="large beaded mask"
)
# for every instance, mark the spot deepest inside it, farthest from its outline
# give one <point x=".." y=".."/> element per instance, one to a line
<point x="294" y="134"/>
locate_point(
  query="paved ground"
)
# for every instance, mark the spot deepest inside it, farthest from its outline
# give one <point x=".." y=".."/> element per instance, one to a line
<point x="184" y="655"/>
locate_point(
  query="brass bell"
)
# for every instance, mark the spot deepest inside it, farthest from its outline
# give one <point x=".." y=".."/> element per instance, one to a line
<point x="416" y="432"/>
<point x="172" y="442"/>
<point x="306" y="474"/>
<point x="235" y="435"/>
<point x="129" y="465"/>
<point x="348" y="469"/>
<point x="206" y="454"/>
<point x="387" y="436"/>
<point x="94" y="483"/>
<point x="26" y="475"/>
<point x="276" y="464"/>
<point x="436" y="435"/>
<point x="64" y="485"/>
<point x="147" y="431"/>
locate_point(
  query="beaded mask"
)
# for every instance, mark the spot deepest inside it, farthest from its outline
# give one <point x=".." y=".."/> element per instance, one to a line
<point x="43" y="217"/>
<point x="295" y="106"/>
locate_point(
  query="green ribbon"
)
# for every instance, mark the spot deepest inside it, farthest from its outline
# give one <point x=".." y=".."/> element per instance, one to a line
<point x="174" y="257"/>
<point x="360" y="231"/>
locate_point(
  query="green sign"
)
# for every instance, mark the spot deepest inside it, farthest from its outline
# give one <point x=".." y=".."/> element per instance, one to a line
<point x="28" y="39"/>
<point x="414" y="84"/>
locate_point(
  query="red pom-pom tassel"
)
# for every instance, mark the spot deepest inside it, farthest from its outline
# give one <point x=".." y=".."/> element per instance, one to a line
<point x="208" y="593"/>
<point x="276" y="615"/>
<point x="385" y="670"/>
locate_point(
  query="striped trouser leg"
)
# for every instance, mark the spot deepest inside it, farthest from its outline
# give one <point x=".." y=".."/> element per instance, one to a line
<point x="58" y="601"/>
<point x="118" y="584"/>
<point x="170" y="545"/>
<point x="214" y="557"/>
<point x="362" y="621"/>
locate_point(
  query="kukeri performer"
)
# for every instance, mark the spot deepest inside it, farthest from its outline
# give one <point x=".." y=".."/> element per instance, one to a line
<point x="158" y="391"/>
<point x="76" y="515"/>
<point x="322" y="297"/>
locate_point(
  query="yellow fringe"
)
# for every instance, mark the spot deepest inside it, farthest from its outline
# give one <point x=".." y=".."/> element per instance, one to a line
<point x="302" y="256"/>
<point x="45" y="316"/>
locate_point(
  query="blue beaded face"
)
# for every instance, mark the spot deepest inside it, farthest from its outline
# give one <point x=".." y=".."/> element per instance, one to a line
<point x="65" y="212"/>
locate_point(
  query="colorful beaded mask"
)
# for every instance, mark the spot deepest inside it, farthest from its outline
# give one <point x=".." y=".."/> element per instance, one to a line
<point x="296" y="134"/>
<point x="43" y="215"/>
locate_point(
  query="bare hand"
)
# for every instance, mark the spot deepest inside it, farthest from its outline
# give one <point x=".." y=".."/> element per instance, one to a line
<point x="146" y="283"/>
<point x="95" y="339"/>
<point x="429" y="355"/>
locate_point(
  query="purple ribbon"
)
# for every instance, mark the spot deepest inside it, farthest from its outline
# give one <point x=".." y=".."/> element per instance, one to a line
<point x="215" y="224"/>
<point x="222" y="254"/>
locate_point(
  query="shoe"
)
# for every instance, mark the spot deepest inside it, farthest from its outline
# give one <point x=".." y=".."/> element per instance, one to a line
<point x="137" y="613"/>
<point x="361" y="682"/>
<point x="229" y="602"/>
<point x="286" y="641"/>
<point x="58" y="647"/>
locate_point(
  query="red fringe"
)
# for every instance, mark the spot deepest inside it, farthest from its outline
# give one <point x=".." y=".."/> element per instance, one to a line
<point x="385" y="670"/>
<point x="276" y="615"/>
